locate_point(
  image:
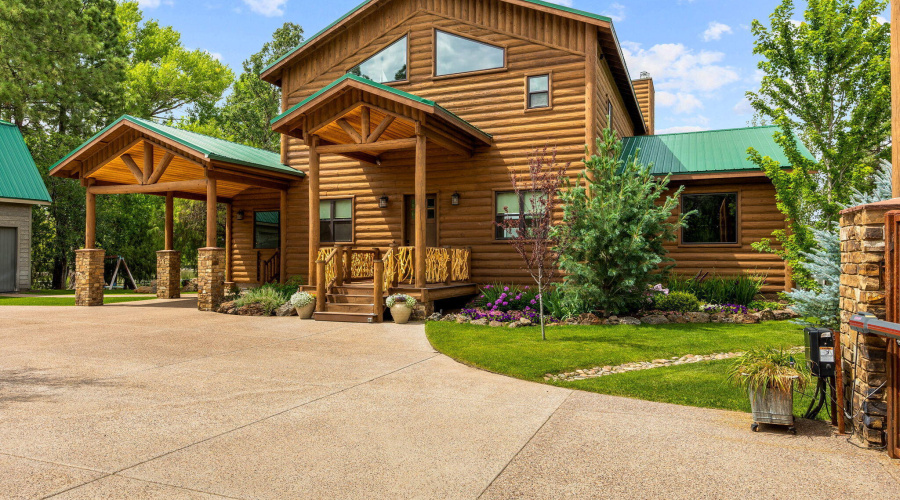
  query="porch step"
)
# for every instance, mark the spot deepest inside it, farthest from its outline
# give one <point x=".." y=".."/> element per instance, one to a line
<point x="338" y="307"/>
<point x="342" y="317"/>
<point x="340" y="298"/>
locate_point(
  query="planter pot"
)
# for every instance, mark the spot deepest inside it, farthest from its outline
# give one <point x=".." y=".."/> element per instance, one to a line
<point x="772" y="406"/>
<point x="401" y="314"/>
<point x="306" y="312"/>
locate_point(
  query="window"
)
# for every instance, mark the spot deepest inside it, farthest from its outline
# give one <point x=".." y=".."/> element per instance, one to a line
<point x="715" y="220"/>
<point x="539" y="91"/>
<point x="455" y="54"/>
<point x="336" y="220"/>
<point x="511" y="207"/>
<point x="387" y="66"/>
<point x="609" y="113"/>
<point x="266" y="229"/>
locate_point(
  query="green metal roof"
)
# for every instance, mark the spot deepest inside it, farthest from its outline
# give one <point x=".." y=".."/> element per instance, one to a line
<point x="367" y="2"/>
<point x="386" y="88"/>
<point x="211" y="147"/>
<point x="19" y="176"/>
<point x="706" y="152"/>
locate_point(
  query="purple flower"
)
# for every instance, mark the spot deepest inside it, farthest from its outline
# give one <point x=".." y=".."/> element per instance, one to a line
<point x="533" y="302"/>
<point x="519" y="297"/>
<point x="506" y="303"/>
<point x="506" y="289"/>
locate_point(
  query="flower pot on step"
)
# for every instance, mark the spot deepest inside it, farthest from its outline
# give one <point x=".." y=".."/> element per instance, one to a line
<point x="401" y="313"/>
<point x="306" y="312"/>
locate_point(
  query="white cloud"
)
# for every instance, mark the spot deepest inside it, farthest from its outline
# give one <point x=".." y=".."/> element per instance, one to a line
<point x="680" y="102"/>
<point x="567" y="3"/>
<point x="675" y="67"/>
<point x="215" y="55"/>
<point x="880" y="20"/>
<point x="615" y="11"/>
<point x="715" y="31"/>
<point x="681" y="129"/>
<point x="743" y="107"/>
<point x="268" y="8"/>
<point x="152" y="4"/>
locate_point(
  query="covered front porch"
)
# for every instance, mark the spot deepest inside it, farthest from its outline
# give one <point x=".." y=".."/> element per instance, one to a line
<point x="138" y="156"/>
<point x="365" y="121"/>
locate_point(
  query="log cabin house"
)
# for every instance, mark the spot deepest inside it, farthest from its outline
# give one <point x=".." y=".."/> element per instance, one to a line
<point x="402" y="123"/>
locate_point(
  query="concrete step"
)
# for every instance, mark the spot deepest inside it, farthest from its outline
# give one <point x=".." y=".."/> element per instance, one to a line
<point x="345" y="317"/>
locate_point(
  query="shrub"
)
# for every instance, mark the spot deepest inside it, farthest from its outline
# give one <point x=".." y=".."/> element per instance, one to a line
<point x="506" y="298"/>
<point x="612" y="238"/>
<point x="268" y="297"/>
<point x="768" y="368"/>
<point x="764" y="304"/>
<point x="302" y="299"/>
<point x="682" y="302"/>
<point x="739" y="289"/>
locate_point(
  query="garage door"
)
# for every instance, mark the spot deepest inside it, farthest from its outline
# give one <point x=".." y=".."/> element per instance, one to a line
<point x="7" y="259"/>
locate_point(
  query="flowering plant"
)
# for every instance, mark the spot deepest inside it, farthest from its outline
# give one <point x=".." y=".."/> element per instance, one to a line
<point x="505" y="298"/>
<point x="400" y="298"/>
<point x="302" y="299"/>
<point x="503" y="316"/>
<point x="726" y="308"/>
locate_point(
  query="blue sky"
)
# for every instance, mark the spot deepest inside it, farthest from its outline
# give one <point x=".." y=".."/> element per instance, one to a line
<point x="699" y="52"/>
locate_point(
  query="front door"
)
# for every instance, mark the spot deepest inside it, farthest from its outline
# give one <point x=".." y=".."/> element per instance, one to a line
<point x="8" y="252"/>
<point x="409" y="221"/>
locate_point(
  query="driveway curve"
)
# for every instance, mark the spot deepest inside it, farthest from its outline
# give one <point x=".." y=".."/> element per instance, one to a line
<point x="156" y="400"/>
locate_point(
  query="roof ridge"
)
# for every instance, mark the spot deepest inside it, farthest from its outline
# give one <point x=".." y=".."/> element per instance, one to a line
<point x="716" y="130"/>
<point x="181" y="130"/>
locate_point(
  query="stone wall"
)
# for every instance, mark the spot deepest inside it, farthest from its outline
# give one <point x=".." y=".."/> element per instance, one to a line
<point x="89" y="280"/>
<point x="19" y="216"/>
<point x="168" y="274"/>
<point x="862" y="290"/>
<point x="210" y="278"/>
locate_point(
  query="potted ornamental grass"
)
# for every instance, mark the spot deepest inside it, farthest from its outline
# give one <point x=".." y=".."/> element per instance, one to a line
<point x="401" y="307"/>
<point x="304" y="303"/>
<point x="769" y="375"/>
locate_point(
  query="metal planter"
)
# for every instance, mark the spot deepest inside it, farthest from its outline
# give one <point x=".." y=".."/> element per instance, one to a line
<point x="772" y="406"/>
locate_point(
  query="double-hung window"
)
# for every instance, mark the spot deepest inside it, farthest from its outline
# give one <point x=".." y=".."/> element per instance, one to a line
<point x="715" y="220"/>
<point x="266" y="229"/>
<point x="336" y="220"/>
<point x="538" y="91"/>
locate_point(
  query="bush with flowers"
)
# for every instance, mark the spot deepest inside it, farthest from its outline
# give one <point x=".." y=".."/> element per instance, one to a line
<point x="505" y="303"/>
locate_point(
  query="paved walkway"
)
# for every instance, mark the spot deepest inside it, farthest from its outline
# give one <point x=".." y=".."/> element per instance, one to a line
<point x="156" y="400"/>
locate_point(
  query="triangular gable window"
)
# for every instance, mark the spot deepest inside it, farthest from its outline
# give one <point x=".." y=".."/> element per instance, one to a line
<point x="387" y="66"/>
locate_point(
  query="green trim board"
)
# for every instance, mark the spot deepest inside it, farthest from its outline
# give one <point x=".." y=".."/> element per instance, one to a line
<point x="712" y="151"/>
<point x="20" y="180"/>
<point x="379" y="86"/>
<point x="359" y="7"/>
<point x="210" y="147"/>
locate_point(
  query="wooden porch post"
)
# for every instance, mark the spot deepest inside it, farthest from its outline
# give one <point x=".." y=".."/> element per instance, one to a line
<point x="90" y="219"/>
<point x="211" y="212"/>
<point x="314" y="234"/>
<point x="170" y="221"/>
<point x="229" y="213"/>
<point x="282" y="225"/>
<point x="148" y="161"/>
<point x="421" y="210"/>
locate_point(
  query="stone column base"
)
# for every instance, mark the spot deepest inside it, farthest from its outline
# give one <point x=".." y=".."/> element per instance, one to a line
<point x="168" y="274"/>
<point x="210" y="278"/>
<point x="89" y="280"/>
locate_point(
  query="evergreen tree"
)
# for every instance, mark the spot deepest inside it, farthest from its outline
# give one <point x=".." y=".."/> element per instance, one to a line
<point x="614" y="227"/>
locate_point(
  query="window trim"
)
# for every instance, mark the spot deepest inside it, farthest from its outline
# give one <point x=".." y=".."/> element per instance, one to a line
<point x="406" y="35"/>
<point x="494" y="228"/>
<point x="549" y="106"/>
<point x="434" y="45"/>
<point x="255" y="247"/>
<point x="738" y="216"/>
<point x="609" y="112"/>
<point x="352" y="219"/>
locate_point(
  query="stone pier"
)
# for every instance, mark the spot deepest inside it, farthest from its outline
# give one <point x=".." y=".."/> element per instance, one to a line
<point x="863" y="290"/>
<point x="168" y="274"/>
<point x="89" y="280"/>
<point x="210" y="278"/>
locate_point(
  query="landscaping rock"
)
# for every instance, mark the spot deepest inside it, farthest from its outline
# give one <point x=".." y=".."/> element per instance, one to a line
<point x="766" y="315"/>
<point x="462" y="319"/>
<point x="722" y="317"/>
<point x="524" y="322"/>
<point x="449" y="317"/>
<point x="655" y="319"/>
<point x="252" y="310"/>
<point x="783" y="314"/>
<point x="145" y="289"/>
<point x="227" y="308"/>
<point x="286" y="310"/>
<point x="435" y="317"/>
<point x="495" y="324"/>
<point x="746" y="319"/>
<point x="697" y="317"/>
<point x="589" y="319"/>
<point x="481" y="322"/>
<point x="628" y="320"/>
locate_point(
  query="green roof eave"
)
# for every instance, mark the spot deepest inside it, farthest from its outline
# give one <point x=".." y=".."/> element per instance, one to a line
<point x="354" y="10"/>
<point x="20" y="180"/>
<point x="379" y="86"/>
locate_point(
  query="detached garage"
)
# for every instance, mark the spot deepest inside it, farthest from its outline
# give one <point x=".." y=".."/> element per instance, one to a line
<point x="20" y="188"/>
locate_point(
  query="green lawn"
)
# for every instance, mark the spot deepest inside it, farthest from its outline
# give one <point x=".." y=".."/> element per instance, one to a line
<point x="67" y="301"/>
<point x="117" y="291"/>
<point x="521" y="353"/>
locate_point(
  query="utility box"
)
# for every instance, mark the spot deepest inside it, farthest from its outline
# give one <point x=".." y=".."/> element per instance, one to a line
<point x="820" y="351"/>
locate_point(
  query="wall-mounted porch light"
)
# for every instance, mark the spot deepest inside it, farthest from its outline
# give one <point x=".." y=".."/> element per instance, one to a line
<point x="383" y="201"/>
<point x="454" y="199"/>
<point x="240" y="215"/>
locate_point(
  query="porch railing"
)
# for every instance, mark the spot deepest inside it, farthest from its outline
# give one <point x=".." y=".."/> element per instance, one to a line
<point x="268" y="270"/>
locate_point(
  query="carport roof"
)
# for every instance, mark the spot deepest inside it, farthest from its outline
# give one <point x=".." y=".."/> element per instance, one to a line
<point x="19" y="176"/>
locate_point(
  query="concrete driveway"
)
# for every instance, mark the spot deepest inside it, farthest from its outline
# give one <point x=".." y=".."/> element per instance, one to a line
<point x="156" y="400"/>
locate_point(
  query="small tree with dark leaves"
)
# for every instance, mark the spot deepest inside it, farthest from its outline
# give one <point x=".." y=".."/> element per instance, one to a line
<point x="531" y="232"/>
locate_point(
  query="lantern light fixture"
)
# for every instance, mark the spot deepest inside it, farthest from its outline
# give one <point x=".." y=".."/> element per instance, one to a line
<point x="240" y="215"/>
<point x="454" y="199"/>
<point x="383" y="201"/>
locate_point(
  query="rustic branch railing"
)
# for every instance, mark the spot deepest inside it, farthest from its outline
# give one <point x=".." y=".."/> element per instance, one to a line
<point x="326" y="275"/>
<point x="442" y="265"/>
